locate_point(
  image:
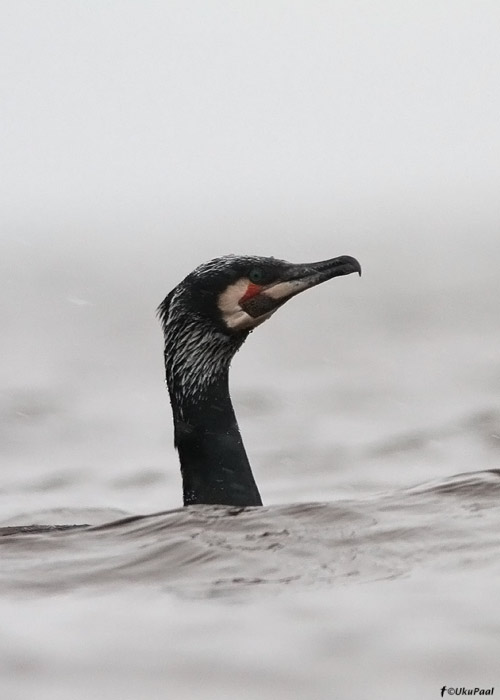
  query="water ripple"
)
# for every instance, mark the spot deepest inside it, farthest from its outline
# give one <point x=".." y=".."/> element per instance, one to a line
<point x="206" y="551"/>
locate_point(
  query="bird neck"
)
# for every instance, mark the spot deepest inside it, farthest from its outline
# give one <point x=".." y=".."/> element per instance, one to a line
<point x="214" y="465"/>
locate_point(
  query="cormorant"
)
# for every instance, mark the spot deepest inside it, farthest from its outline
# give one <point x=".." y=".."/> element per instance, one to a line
<point x="205" y="320"/>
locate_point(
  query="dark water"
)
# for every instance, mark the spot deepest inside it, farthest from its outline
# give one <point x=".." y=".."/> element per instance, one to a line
<point x="206" y="551"/>
<point x="386" y="596"/>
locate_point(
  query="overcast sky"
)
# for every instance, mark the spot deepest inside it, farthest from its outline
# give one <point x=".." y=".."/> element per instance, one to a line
<point x="127" y="118"/>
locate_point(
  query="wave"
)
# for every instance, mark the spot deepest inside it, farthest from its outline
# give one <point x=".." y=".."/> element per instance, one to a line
<point x="210" y="551"/>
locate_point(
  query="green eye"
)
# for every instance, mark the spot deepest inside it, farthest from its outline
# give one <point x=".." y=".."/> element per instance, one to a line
<point x="256" y="275"/>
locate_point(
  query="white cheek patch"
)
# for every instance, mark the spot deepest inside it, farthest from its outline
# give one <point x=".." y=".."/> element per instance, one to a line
<point x="232" y="314"/>
<point x="229" y="305"/>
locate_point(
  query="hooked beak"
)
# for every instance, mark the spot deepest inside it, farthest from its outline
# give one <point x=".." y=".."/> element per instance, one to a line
<point x="296" y="279"/>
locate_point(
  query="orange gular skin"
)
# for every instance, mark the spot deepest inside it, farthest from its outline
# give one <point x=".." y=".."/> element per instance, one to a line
<point x="252" y="290"/>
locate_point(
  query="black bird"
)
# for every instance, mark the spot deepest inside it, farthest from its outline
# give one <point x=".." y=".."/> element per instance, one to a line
<point x="206" y="319"/>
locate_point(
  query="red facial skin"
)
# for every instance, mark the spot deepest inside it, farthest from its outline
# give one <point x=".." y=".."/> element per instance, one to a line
<point x="252" y="290"/>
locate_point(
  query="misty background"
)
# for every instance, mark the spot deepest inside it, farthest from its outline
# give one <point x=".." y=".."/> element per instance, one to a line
<point x="140" y="139"/>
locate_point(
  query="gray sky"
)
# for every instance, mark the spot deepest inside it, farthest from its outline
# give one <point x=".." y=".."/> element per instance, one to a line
<point x="183" y="119"/>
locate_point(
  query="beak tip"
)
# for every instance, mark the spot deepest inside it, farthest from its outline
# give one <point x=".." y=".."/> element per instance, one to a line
<point x="356" y="267"/>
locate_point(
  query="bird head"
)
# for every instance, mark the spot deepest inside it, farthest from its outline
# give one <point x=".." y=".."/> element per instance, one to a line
<point x="238" y="293"/>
